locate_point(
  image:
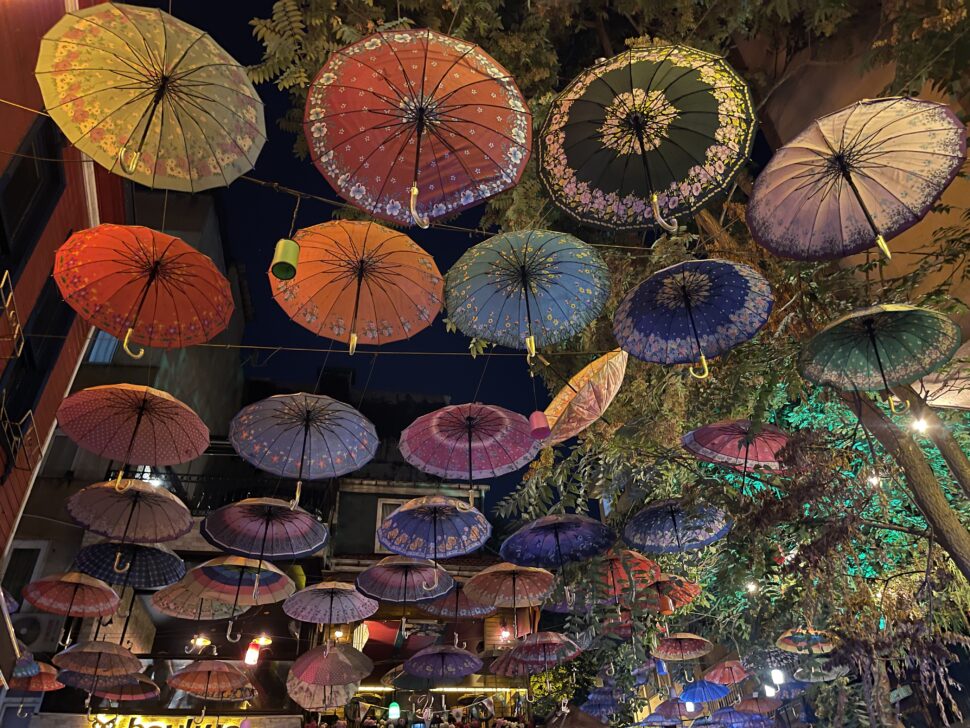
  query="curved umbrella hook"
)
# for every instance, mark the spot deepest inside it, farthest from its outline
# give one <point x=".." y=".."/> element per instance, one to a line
<point x="128" y="167"/>
<point x="21" y="713"/>
<point x="198" y="721"/>
<point x="296" y="497"/>
<point x="670" y="227"/>
<point x="704" y="371"/>
<point x="119" y="488"/>
<point x="234" y="638"/>
<point x="117" y="567"/>
<point x="900" y="410"/>
<point x="421" y="221"/>
<point x="126" y="345"/>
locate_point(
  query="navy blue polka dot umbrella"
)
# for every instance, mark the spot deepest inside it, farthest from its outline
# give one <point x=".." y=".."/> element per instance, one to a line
<point x="131" y="565"/>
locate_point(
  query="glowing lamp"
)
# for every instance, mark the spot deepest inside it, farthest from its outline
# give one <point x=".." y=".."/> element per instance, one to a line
<point x="777" y="677"/>
<point x="393" y="711"/>
<point x="770" y="691"/>
<point x="252" y="653"/>
<point x="689" y="707"/>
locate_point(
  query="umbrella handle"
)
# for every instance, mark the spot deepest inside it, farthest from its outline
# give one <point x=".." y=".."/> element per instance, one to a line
<point x="21" y="713"/>
<point x="256" y="587"/>
<point x="881" y="242"/>
<point x="123" y="156"/>
<point x="419" y="220"/>
<point x="118" y="569"/>
<point x="126" y="346"/>
<point x="433" y="585"/>
<point x="704" y="372"/>
<point x="296" y="497"/>
<point x="670" y="227"/>
<point x="463" y="645"/>
<point x="119" y="488"/>
<point x="230" y="636"/>
<point x="198" y="721"/>
<point x="898" y="411"/>
<point x="352" y="343"/>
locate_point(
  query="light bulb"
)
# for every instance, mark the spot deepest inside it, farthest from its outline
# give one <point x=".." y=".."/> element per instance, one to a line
<point x="689" y="706"/>
<point x="252" y="653"/>
<point x="874" y="480"/>
<point x="777" y="676"/>
<point x="770" y="691"/>
<point x="338" y="633"/>
<point x="920" y="425"/>
<point x="751" y="586"/>
<point x="200" y="641"/>
<point x="393" y="711"/>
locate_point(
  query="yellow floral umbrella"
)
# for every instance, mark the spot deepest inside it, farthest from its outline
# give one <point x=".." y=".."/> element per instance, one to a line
<point x="586" y="396"/>
<point x="150" y="98"/>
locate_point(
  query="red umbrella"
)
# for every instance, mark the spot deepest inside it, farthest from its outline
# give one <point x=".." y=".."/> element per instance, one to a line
<point x="44" y="681"/>
<point x="681" y="646"/>
<point x="332" y="665"/>
<point x="210" y="680"/>
<point x="411" y="125"/>
<point x="728" y="672"/>
<point x="760" y="706"/>
<point x="140" y="687"/>
<point x="739" y="444"/>
<point x="72" y="594"/>
<point x="545" y="649"/>
<point x="143" y="286"/>
<point x="668" y="593"/>
<point x="101" y="659"/>
<point x="510" y="586"/>
<point x="674" y="710"/>
<point x="627" y="571"/>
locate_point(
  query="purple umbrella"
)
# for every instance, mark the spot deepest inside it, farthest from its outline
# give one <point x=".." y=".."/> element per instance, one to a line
<point x="264" y="528"/>
<point x="303" y="436"/>
<point x="403" y="579"/>
<point x="330" y="602"/>
<point x="669" y="526"/>
<point x="443" y="662"/>
<point x="457" y="605"/>
<point x="554" y="540"/>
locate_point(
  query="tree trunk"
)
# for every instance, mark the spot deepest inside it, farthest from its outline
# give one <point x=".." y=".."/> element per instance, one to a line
<point x="939" y="433"/>
<point x="947" y="529"/>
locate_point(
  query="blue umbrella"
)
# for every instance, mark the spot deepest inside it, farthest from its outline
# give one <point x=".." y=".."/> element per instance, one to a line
<point x="25" y="666"/>
<point x="669" y="526"/>
<point x="527" y="289"/>
<point x="552" y="541"/>
<point x="703" y="691"/>
<point x="791" y="689"/>
<point x="691" y="311"/>
<point x="132" y="565"/>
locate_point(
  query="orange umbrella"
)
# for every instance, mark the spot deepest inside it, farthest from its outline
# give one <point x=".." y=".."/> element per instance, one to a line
<point x="360" y="280"/>
<point x="44" y="681"/>
<point x="72" y="594"/>
<point x="668" y="593"/>
<point x="625" y="571"/>
<point x="728" y="672"/>
<point x="586" y="396"/>
<point x="143" y="286"/>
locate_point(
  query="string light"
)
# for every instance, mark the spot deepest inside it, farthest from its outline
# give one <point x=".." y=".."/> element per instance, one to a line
<point x="751" y="586"/>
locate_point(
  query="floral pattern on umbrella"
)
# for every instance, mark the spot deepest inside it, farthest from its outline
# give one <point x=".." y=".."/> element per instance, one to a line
<point x="434" y="527"/>
<point x="740" y="444"/>
<point x="318" y="698"/>
<point x="330" y="602"/>
<point x="98" y="659"/>
<point x="586" y="396"/>
<point x="45" y="681"/>
<point x="413" y="125"/>
<point x="139" y="513"/>
<point x="554" y="540"/>
<point x="670" y="526"/>
<point x="457" y="605"/>
<point x="332" y="665"/>
<point x="210" y="680"/>
<point x="509" y="586"/>
<point x="191" y="599"/>
<point x="150" y="97"/>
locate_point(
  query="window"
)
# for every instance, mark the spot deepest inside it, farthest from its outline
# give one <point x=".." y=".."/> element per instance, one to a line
<point x="103" y="348"/>
<point x="26" y="561"/>
<point x="385" y="507"/>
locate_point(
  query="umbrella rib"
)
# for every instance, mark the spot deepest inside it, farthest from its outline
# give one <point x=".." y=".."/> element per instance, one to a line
<point x="145" y="61"/>
<point x="199" y="98"/>
<point x="394" y="89"/>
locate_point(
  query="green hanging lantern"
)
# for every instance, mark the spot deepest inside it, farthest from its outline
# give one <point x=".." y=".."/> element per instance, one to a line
<point x="285" y="258"/>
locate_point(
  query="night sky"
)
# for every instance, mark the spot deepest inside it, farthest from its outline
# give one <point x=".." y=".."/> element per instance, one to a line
<point x="256" y="217"/>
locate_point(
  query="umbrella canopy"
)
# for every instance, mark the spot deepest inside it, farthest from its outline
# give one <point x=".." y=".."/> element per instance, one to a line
<point x="143" y="286"/>
<point x="670" y="526"/>
<point x="442" y="662"/>
<point x="330" y="602"/>
<point x="740" y="444"/>
<point x="527" y="290"/>
<point x="93" y="683"/>
<point x="332" y="665"/>
<point x="806" y="641"/>
<point x="101" y="659"/>
<point x="472" y="441"/>
<point x="191" y="599"/>
<point x="727" y="672"/>
<point x="759" y="705"/>
<point x="545" y="649"/>
<point x="403" y="579"/>
<point x="627" y="573"/>
<point x="510" y="586"/>
<point x="303" y="436"/>
<point x="457" y="605"/>
<point x="732" y="718"/>
<point x="586" y="396"/>
<point x="703" y="691"/>
<point x="681" y="646"/>
<point x="150" y="97"/>
<point x="692" y="311"/>
<point x="242" y="582"/>
<point x="856" y="178"/>
<point x="133" y="424"/>
<point x="676" y="709"/>
<point x="131" y="565"/>
<point x="210" y="680"/>
<point x="140" y="513"/>
<point x="667" y="593"/>
<point x="141" y="687"/>
<point x="318" y="698"/>
<point x="418" y="142"/>
<point x="650" y="133"/>
<point x="434" y="527"/>
<point x="264" y="528"/>
<point x="45" y="681"/>
<point x="880" y="347"/>
<point x="360" y="280"/>
<point x="554" y="540"/>
<point x="72" y="594"/>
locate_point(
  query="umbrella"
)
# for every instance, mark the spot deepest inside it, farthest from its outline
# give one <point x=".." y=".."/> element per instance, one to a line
<point x="45" y="681"/>
<point x="150" y="97"/>
<point x="134" y="425"/>
<point x="132" y="565"/>
<point x="413" y="125"/>
<point x="360" y="280"/>
<point x="740" y="444"/>
<point x="403" y="579"/>
<point x="667" y="593"/>
<point x="457" y="605"/>
<point x="650" y="133"/>
<point x="25" y="665"/>
<point x="554" y="540"/>
<point x="806" y="641"/>
<point x="442" y="662"/>
<point x="191" y="599"/>
<point x="140" y="688"/>
<point x="72" y="594"/>
<point x="332" y="665"/>
<point x="586" y="396"/>
<point x="211" y="680"/>
<point x="676" y="709"/>
<point x="880" y="347"/>
<point x="140" y="513"/>
<point x="330" y="602"/>
<point x="92" y="683"/>
<point x="691" y="311"/>
<point x="510" y="586"/>
<point x="98" y="659"/>
<point x="9" y="603"/>
<point x="680" y="646"/>
<point x="318" y="698"/>
<point x="527" y="290"/>
<point x="727" y="672"/>
<point x="471" y="441"/>
<point x="856" y="178"/>
<point x="732" y="718"/>
<point x="670" y="526"/>
<point x="264" y="528"/>
<point x="627" y="571"/>
<point x="791" y="689"/>
<point x="703" y="691"/>
<point x="763" y="659"/>
<point x="303" y="436"/>
<point x="545" y="649"/>
<point x="143" y="286"/>
<point x="761" y="706"/>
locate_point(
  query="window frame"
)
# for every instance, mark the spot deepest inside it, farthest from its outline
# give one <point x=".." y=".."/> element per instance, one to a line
<point x="379" y="519"/>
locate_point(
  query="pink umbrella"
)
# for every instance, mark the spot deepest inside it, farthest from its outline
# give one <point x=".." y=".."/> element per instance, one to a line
<point x="740" y="444"/>
<point x="471" y="441"/>
<point x="443" y="662"/>
<point x="546" y="649"/>
<point x="316" y="698"/>
<point x="332" y="665"/>
<point x="72" y="594"/>
<point x="728" y="672"/>
<point x="100" y="659"/>
<point x="330" y="602"/>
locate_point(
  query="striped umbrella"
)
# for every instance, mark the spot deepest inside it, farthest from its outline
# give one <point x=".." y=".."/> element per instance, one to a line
<point x="318" y="698"/>
<point x="130" y="565"/>
<point x="45" y="681"/>
<point x="98" y="659"/>
<point x="457" y="605"/>
<point x="190" y="599"/>
<point x="264" y="528"/>
<point x="139" y="513"/>
<point x="72" y="594"/>
<point x="330" y="602"/>
<point x="443" y="662"/>
<point x="332" y="665"/>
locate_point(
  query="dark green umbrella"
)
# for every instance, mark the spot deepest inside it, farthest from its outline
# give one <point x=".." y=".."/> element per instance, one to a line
<point x="880" y="347"/>
<point x="649" y="134"/>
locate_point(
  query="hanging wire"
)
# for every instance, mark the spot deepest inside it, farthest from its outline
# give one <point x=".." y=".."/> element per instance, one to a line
<point x="488" y="358"/>
<point x="296" y="209"/>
